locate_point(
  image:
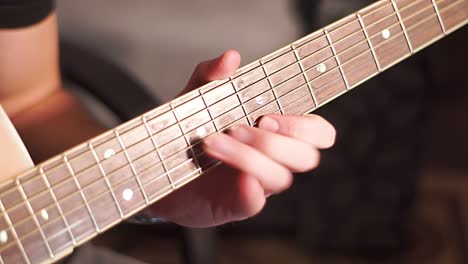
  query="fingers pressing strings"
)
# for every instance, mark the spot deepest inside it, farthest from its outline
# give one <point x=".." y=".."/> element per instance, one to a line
<point x="294" y="154"/>
<point x="312" y="129"/>
<point x="250" y="161"/>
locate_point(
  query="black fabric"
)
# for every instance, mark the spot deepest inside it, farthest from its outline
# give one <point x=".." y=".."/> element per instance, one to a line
<point x="22" y="13"/>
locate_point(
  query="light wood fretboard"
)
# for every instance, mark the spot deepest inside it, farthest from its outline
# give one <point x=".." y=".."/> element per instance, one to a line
<point x="69" y="199"/>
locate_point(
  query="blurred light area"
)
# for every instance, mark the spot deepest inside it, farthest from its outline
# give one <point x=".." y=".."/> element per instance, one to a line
<point x="160" y="42"/>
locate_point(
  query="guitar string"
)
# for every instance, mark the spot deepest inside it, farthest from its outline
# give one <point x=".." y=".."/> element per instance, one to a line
<point x="126" y="165"/>
<point x="167" y="187"/>
<point x="237" y="92"/>
<point x="310" y="55"/>
<point x="241" y="118"/>
<point x="324" y="85"/>
<point x="280" y="84"/>
<point x="145" y="170"/>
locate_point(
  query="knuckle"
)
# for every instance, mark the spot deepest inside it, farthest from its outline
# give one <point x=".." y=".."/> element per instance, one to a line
<point x="262" y="142"/>
<point x="266" y="146"/>
<point x="244" y="161"/>
<point x="200" y="68"/>
<point x="293" y="129"/>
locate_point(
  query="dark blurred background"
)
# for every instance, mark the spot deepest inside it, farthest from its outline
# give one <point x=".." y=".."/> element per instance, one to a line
<point x="393" y="190"/>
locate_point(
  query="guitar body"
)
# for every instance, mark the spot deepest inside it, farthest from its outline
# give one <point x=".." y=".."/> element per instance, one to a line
<point x="14" y="158"/>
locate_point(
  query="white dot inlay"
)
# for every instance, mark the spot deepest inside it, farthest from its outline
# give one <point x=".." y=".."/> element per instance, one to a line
<point x="201" y="132"/>
<point x="322" y="68"/>
<point x="127" y="194"/>
<point x="259" y="100"/>
<point x="386" y="34"/>
<point x="109" y="153"/>
<point x="44" y="215"/>
<point x="3" y="237"/>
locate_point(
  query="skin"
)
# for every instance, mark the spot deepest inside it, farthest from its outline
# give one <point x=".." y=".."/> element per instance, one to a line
<point x="258" y="161"/>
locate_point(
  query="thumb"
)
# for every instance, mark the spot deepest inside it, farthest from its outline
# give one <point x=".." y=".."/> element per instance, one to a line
<point x="216" y="69"/>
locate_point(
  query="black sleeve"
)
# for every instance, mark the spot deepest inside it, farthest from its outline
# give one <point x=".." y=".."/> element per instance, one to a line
<point x="21" y="13"/>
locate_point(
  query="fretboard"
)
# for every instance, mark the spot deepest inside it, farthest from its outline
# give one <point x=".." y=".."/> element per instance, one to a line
<point x="69" y="199"/>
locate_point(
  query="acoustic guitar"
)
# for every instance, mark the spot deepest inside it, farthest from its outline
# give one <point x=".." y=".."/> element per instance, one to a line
<point x="49" y="209"/>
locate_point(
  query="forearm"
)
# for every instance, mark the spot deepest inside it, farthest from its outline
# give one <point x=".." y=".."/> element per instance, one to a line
<point x="57" y="123"/>
<point x="29" y="67"/>
<point x="47" y="117"/>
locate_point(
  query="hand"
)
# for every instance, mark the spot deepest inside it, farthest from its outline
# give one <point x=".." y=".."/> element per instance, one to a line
<point x="258" y="162"/>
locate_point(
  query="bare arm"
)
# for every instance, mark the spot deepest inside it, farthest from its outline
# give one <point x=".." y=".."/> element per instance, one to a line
<point x="46" y="116"/>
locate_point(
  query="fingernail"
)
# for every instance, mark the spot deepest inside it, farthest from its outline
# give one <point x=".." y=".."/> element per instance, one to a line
<point x="240" y="133"/>
<point x="269" y="124"/>
<point x="219" y="144"/>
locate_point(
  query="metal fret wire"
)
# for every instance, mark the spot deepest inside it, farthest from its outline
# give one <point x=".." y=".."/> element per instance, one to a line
<point x="206" y="107"/>
<point x="411" y="4"/>
<point x="439" y="17"/>
<point x="206" y="167"/>
<point x="335" y="55"/>
<point x="130" y="163"/>
<point x="13" y="231"/>
<point x="374" y="55"/>
<point x="236" y="92"/>
<point x="103" y="172"/>
<point x="59" y="208"/>
<point x="77" y="183"/>
<point x="158" y="151"/>
<point x="163" y="175"/>
<point x="186" y="141"/>
<point x="190" y="160"/>
<point x="31" y="211"/>
<point x="397" y="11"/>
<point x="256" y="110"/>
<point x="270" y="76"/>
<point x="265" y="105"/>
<point x="249" y="100"/>
<point x="272" y="87"/>
<point x="306" y="78"/>
<point x="318" y="51"/>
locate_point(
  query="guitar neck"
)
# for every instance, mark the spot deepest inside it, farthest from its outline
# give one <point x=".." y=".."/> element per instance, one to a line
<point x="71" y="198"/>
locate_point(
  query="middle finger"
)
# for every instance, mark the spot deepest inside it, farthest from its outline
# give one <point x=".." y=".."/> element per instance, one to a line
<point x="294" y="154"/>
